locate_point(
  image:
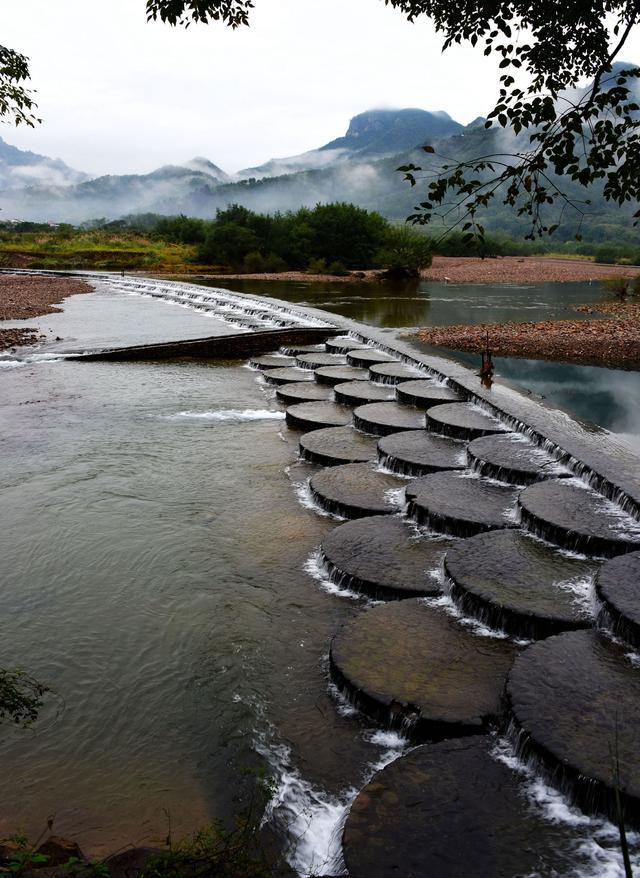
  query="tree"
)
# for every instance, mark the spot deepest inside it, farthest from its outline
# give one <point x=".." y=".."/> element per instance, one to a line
<point x="16" y="101"/>
<point x="404" y="252"/>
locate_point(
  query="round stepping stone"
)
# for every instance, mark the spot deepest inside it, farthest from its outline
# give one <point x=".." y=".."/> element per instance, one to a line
<point x="409" y="664"/>
<point x="571" y="515"/>
<point x="511" y="458"/>
<point x="296" y="350"/>
<point x="462" y="420"/>
<point x="272" y="361"/>
<point x="383" y="418"/>
<point x="337" y="445"/>
<point x="361" y="392"/>
<point x="339" y="374"/>
<point x="417" y="453"/>
<point x="302" y="391"/>
<point x="425" y="393"/>
<point x="618" y="587"/>
<point x="452" y="810"/>
<point x="575" y="701"/>
<point x="315" y="361"/>
<point x="355" y="490"/>
<point x="316" y="415"/>
<point x="342" y="344"/>
<point x="365" y="357"/>
<point x="382" y="557"/>
<point x="516" y="583"/>
<point x="452" y="503"/>
<point x="393" y="373"/>
<point x="287" y="376"/>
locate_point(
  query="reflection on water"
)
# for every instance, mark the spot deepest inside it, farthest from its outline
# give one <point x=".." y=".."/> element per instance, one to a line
<point x="607" y="397"/>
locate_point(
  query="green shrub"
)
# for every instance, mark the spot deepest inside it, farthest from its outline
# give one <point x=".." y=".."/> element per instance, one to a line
<point x="274" y="263"/>
<point x="339" y="269"/>
<point x="253" y="262"/>
<point x="317" y="266"/>
<point x="405" y="252"/>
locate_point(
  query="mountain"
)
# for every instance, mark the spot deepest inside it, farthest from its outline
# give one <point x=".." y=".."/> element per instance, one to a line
<point x="20" y="168"/>
<point x="370" y="135"/>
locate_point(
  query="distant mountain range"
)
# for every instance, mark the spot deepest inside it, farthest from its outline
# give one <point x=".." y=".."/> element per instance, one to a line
<point x="359" y="167"/>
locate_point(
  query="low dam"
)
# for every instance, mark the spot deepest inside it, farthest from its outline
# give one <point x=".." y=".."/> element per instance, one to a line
<point x="479" y="555"/>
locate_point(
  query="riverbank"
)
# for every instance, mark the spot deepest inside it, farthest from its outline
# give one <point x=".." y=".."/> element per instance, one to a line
<point x="613" y="341"/>
<point x="25" y="297"/>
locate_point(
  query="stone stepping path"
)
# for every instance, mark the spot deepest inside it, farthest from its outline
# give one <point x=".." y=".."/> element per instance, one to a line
<point x="383" y="418"/>
<point x="361" y="392"/>
<point x="393" y="373"/>
<point x="462" y="420"/>
<point x="417" y="453"/>
<point x="339" y="374"/>
<point x="272" y="361"/>
<point x="512" y="458"/>
<point x="453" y="503"/>
<point x="355" y="490"/>
<point x="287" y="376"/>
<point x="410" y="665"/>
<point x="337" y="445"/>
<point x="342" y="344"/>
<point x="425" y="393"/>
<point x="302" y="391"/>
<point x="566" y="512"/>
<point x="618" y="587"/>
<point x="514" y="582"/>
<point x="315" y="361"/>
<point x="296" y="350"/>
<point x="316" y="415"/>
<point x="383" y="557"/>
<point x="575" y="698"/>
<point x="366" y="357"/>
<point x="452" y="810"/>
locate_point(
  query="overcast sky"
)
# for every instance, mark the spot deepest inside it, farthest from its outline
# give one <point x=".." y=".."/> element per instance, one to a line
<point x="119" y="95"/>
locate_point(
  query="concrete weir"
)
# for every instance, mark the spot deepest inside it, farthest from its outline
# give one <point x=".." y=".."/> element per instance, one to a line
<point x="462" y="420"/>
<point x="512" y="458"/>
<point x="302" y="391"/>
<point x="575" y="704"/>
<point x="618" y="588"/>
<point x="417" y="453"/>
<point x="383" y="558"/>
<point x="361" y="392"/>
<point x="339" y="374"/>
<point x="383" y="418"/>
<point x="452" y="502"/>
<point x="452" y="810"/>
<point x="416" y="668"/>
<point x="425" y="393"/>
<point x="355" y="490"/>
<point x="316" y="415"/>
<point x="336" y="446"/>
<point x="363" y="358"/>
<point x="518" y="584"/>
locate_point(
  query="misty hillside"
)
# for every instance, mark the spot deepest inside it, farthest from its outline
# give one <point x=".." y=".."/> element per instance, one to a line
<point x="360" y="167"/>
<point x="20" y="168"/>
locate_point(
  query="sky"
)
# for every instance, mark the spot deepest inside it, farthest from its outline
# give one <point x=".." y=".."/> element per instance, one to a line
<point x="120" y="95"/>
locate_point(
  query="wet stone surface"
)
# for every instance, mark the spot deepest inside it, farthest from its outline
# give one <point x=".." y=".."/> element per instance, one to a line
<point x="384" y="557"/>
<point x="315" y="361"/>
<point x="316" y="415"/>
<point x="361" y="392"/>
<point x="566" y="512"/>
<point x="514" y="582"/>
<point x="412" y="665"/>
<point x="339" y="374"/>
<point x="618" y="587"/>
<point x="342" y="344"/>
<point x="356" y="490"/>
<point x="576" y="700"/>
<point x="287" y="376"/>
<point x="272" y="361"/>
<point x="383" y="418"/>
<point x="417" y="453"/>
<point x="365" y="357"/>
<point x="451" y="810"/>
<point x="425" y="393"/>
<point x="337" y="445"/>
<point x="393" y="373"/>
<point x="512" y="458"/>
<point x="462" y="420"/>
<point x="295" y="350"/>
<point x="302" y="391"/>
<point x="457" y="504"/>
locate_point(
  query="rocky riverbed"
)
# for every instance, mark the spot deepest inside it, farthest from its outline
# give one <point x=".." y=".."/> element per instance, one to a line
<point x="25" y="297"/>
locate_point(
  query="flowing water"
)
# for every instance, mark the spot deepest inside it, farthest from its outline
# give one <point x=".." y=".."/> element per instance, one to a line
<point x="607" y="397"/>
<point x="158" y="574"/>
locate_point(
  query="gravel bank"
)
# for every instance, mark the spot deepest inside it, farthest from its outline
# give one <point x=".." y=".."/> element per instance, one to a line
<point x="24" y="297"/>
